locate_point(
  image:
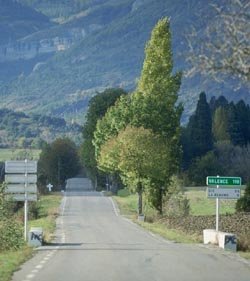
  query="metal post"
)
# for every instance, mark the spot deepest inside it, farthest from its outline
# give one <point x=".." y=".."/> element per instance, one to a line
<point x="26" y="203"/>
<point x="217" y="210"/>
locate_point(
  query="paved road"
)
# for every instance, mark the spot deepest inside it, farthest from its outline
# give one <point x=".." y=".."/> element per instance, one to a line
<point x="94" y="243"/>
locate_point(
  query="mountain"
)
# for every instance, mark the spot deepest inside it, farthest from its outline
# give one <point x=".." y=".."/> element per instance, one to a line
<point x="17" y="21"/>
<point x="100" y="44"/>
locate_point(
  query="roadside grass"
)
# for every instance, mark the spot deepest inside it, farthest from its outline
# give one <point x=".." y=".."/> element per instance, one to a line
<point x="171" y="234"/>
<point x="11" y="260"/>
<point x="128" y="208"/>
<point x="199" y="205"/>
<point x="48" y="210"/>
<point x="13" y="154"/>
<point x="127" y="205"/>
<point x="245" y="255"/>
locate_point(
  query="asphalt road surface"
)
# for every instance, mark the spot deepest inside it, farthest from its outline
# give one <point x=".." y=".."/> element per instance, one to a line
<point x="94" y="243"/>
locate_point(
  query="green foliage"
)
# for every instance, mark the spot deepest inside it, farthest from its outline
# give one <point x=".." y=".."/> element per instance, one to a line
<point x="142" y="158"/>
<point x="58" y="161"/>
<point x="243" y="204"/>
<point x="153" y="107"/>
<point x="11" y="232"/>
<point x="123" y="193"/>
<point x="24" y="131"/>
<point x="200" y="127"/>
<point x="92" y="63"/>
<point x="220" y="125"/>
<point x="98" y="106"/>
<point x="203" y="166"/>
<point x="235" y="160"/>
<point x="175" y="202"/>
<point x="11" y="235"/>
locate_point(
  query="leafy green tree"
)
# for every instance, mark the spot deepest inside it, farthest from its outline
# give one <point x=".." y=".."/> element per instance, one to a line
<point x="140" y="156"/>
<point x="157" y="91"/>
<point x="58" y="161"/>
<point x="98" y="106"/>
<point x="153" y="105"/>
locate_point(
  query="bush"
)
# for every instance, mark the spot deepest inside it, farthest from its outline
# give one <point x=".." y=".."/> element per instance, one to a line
<point x="123" y="193"/>
<point x="243" y="242"/>
<point x="175" y="202"/>
<point x="243" y="204"/>
<point x="11" y="235"/>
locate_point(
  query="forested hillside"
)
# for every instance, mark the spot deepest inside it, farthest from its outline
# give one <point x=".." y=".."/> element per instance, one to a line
<point x="18" y="129"/>
<point x="18" y="21"/>
<point x="99" y="44"/>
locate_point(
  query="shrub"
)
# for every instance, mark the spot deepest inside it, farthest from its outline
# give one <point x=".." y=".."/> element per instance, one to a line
<point x="123" y="193"/>
<point x="11" y="235"/>
<point x="243" y="242"/>
<point x="243" y="204"/>
<point x="175" y="202"/>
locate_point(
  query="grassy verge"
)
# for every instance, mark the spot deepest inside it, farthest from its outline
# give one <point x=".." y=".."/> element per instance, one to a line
<point x="171" y="234"/>
<point x="128" y="208"/>
<point x="48" y="207"/>
<point x="10" y="261"/>
<point x="199" y="206"/>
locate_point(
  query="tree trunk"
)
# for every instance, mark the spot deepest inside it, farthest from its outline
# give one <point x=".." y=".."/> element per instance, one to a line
<point x="139" y="190"/>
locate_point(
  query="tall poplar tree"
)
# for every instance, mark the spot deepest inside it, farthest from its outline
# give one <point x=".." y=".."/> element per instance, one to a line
<point x="152" y="106"/>
<point x="156" y="102"/>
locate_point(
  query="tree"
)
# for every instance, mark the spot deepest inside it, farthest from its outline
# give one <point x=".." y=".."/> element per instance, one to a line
<point x="58" y="161"/>
<point x="224" y="50"/>
<point x="153" y="104"/>
<point x="243" y="204"/>
<point x="203" y="166"/>
<point x="141" y="157"/>
<point x="235" y="126"/>
<point x="220" y="126"/>
<point x="98" y="106"/>
<point x="200" y="127"/>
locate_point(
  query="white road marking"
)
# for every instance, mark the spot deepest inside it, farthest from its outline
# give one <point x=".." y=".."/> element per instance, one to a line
<point x="64" y="204"/>
<point x="114" y="207"/>
<point x="30" y="276"/>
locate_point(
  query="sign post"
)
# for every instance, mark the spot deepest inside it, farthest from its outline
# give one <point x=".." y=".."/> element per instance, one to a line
<point x="222" y="193"/>
<point x="217" y="210"/>
<point x="26" y="203"/>
<point x="21" y="181"/>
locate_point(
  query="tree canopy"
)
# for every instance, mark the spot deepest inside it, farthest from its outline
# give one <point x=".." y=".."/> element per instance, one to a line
<point x="58" y="161"/>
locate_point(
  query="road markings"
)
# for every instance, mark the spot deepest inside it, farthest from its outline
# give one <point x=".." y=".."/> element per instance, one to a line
<point x="114" y="207"/>
<point x="30" y="276"/>
<point x="40" y="266"/>
<point x="64" y="204"/>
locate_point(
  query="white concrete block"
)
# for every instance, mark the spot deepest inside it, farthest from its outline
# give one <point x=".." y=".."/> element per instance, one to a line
<point x="210" y="236"/>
